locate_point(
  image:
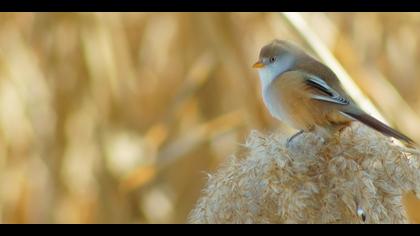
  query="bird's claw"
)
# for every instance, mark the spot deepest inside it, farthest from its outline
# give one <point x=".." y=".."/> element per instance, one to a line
<point x="289" y="140"/>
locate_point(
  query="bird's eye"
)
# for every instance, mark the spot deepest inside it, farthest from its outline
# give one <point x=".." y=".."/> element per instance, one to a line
<point x="273" y="59"/>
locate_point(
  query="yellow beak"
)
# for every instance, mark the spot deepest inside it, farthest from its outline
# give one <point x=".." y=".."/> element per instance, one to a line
<point x="258" y="64"/>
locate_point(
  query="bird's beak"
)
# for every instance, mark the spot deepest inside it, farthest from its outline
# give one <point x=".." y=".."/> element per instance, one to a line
<point x="258" y="64"/>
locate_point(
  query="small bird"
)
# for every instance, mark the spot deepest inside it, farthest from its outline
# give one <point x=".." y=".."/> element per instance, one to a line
<point x="305" y="94"/>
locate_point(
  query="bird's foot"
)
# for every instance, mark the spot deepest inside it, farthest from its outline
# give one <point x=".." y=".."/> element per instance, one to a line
<point x="289" y="140"/>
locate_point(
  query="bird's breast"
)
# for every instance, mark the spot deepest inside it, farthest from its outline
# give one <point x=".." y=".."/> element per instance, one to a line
<point x="275" y="105"/>
<point x="287" y="101"/>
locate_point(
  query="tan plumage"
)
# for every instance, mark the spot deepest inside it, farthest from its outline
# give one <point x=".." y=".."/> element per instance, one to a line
<point x="307" y="95"/>
<point x="302" y="111"/>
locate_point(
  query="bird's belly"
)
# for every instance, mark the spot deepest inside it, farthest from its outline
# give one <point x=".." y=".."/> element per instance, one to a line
<point x="277" y="108"/>
<point x="295" y="109"/>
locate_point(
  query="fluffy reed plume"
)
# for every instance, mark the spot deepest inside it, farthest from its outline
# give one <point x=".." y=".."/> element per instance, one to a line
<point x="357" y="177"/>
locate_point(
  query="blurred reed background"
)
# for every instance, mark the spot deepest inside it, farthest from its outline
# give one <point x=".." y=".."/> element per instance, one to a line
<point x="116" y="118"/>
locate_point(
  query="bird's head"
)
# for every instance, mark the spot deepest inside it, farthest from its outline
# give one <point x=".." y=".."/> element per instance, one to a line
<point x="276" y="58"/>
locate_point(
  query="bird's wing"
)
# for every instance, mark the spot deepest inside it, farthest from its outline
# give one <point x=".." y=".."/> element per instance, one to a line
<point x="321" y="91"/>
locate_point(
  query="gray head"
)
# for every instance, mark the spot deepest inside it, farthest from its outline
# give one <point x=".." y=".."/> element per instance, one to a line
<point x="275" y="58"/>
<point x="275" y="52"/>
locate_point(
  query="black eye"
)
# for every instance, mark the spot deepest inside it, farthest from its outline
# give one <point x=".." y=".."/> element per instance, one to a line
<point x="273" y="59"/>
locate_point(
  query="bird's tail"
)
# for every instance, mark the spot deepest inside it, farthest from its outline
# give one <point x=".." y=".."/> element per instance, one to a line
<point x="379" y="126"/>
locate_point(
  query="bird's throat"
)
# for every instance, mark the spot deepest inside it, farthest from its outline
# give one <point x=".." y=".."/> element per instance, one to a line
<point x="272" y="71"/>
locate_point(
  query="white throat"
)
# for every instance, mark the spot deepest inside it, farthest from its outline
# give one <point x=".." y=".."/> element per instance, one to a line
<point x="267" y="75"/>
<point x="270" y="72"/>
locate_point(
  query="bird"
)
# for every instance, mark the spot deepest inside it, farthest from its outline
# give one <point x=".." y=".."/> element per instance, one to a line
<point x="302" y="92"/>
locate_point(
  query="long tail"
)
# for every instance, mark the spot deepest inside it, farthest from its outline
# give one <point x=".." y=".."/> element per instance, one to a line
<point x="378" y="126"/>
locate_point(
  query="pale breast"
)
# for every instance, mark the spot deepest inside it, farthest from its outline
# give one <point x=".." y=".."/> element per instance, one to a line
<point x="287" y="100"/>
<point x="275" y="105"/>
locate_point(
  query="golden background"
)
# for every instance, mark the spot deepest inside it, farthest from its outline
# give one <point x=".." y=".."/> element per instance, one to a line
<point x="116" y="118"/>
